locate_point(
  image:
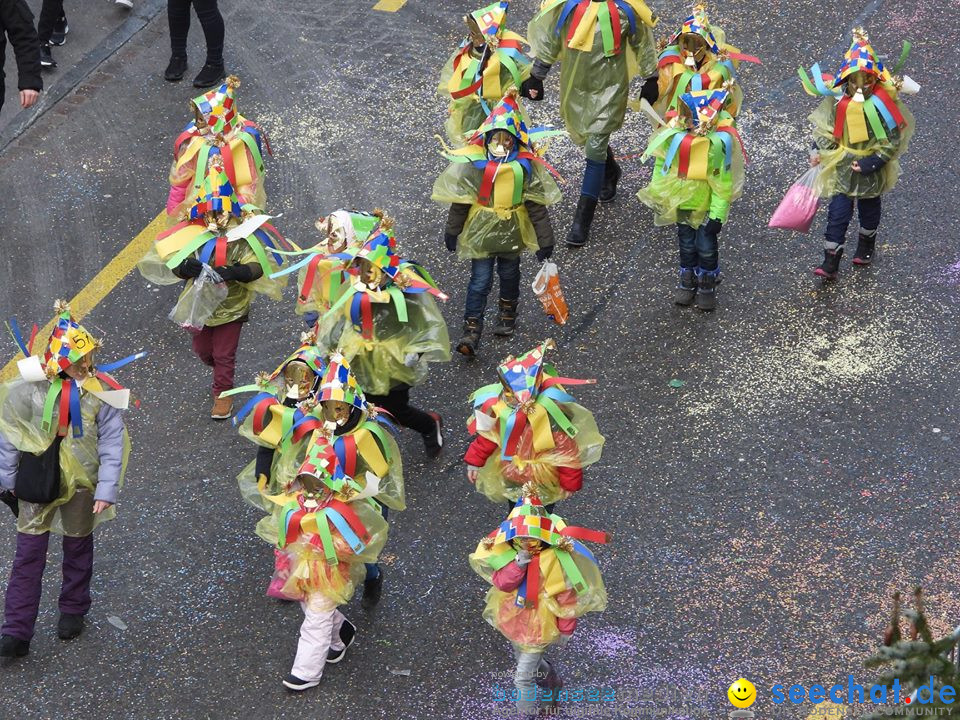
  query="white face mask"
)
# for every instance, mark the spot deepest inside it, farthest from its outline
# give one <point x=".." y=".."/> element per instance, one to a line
<point x="858" y="96"/>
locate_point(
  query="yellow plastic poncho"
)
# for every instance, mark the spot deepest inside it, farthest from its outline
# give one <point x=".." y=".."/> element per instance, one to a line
<point x="21" y="416"/>
<point x="593" y="87"/>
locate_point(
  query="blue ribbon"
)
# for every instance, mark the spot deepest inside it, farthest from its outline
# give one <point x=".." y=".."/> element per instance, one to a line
<point x="15" y="329"/>
<point x="564" y="14"/>
<point x="346" y="531"/>
<point x="672" y="151"/>
<point x="249" y="405"/>
<point x="262" y="236"/>
<point x="117" y="364"/>
<point x="76" y="419"/>
<point x="631" y="17"/>
<point x="884" y="112"/>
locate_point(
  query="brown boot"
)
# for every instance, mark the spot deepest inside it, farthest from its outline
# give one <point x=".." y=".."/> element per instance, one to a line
<point x="222" y="408"/>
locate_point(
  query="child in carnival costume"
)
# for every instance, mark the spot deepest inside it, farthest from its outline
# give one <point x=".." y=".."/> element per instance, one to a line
<point x="63" y="453"/>
<point x="280" y="419"/>
<point x="498" y="188"/>
<point x="861" y="129"/>
<point x="698" y="173"/>
<point x="488" y="63"/>
<point x="530" y="432"/>
<point x="386" y="323"/>
<point x="698" y="58"/>
<point x="328" y="529"/>
<point x="217" y="130"/>
<point x="602" y="45"/>
<point x="362" y="440"/>
<point x="239" y="245"/>
<point x="322" y="273"/>
<point x="543" y="580"/>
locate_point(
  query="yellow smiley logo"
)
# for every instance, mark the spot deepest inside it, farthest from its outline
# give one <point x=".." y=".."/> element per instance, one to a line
<point x="742" y="693"/>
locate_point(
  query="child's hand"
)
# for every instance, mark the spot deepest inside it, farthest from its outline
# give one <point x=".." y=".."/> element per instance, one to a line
<point x="472" y="473"/>
<point x="855" y="166"/>
<point x="100" y="505"/>
<point x="814" y="159"/>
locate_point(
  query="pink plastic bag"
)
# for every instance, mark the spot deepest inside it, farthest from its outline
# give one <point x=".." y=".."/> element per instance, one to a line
<point x="799" y="205"/>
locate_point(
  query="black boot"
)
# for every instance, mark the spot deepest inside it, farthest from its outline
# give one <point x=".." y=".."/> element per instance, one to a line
<point x="580" y="230"/>
<point x="372" y="590"/>
<point x="175" y="68"/>
<point x="69" y="626"/>
<point x="831" y="264"/>
<point x="611" y="176"/>
<point x="470" y="340"/>
<point x="13" y="647"/>
<point x="506" y="318"/>
<point x="707" y="291"/>
<point x="209" y="75"/>
<point x="686" y="287"/>
<point x="865" y="247"/>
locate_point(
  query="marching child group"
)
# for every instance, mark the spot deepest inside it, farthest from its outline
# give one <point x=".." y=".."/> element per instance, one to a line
<point x="327" y="470"/>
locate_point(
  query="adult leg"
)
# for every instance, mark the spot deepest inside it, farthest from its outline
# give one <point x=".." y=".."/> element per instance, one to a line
<point x="397" y="403"/>
<point x="213" y="29"/>
<point x="178" y="19"/>
<point x="839" y="213"/>
<point x="596" y="152"/>
<point x="868" y="211"/>
<point x="50" y="12"/>
<point x="23" y="591"/>
<point x="508" y="269"/>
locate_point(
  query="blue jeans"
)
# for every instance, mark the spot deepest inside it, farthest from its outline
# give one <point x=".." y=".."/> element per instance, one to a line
<point x="373" y="569"/>
<point x="481" y="280"/>
<point x="698" y="249"/>
<point x="839" y="214"/>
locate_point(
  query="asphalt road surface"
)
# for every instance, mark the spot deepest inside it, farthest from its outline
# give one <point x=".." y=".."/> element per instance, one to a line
<point x="763" y="511"/>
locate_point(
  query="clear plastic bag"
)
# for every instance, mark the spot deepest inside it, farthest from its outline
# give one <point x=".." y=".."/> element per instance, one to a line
<point x="199" y="301"/>
<point x="799" y="205"/>
<point x="546" y="286"/>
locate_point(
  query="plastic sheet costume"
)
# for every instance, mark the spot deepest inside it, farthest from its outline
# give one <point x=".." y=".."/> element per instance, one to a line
<point x="698" y="58"/>
<point x="488" y="63"/>
<point x="697" y="175"/>
<point x="217" y="130"/>
<point x="601" y="46"/>
<point x="530" y="432"/>
<point x="861" y="129"/>
<point x="386" y="322"/>
<point x="543" y="579"/>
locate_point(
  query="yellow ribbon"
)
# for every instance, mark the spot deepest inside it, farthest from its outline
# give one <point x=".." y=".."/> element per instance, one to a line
<point x="369" y="451"/>
<point x="699" y="153"/>
<point x="172" y="244"/>
<point x="192" y="149"/>
<point x="856" y="123"/>
<point x="539" y="420"/>
<point x="551" y="573"/>
<point x="240" y="164"/>
<point x="583" y="37"/>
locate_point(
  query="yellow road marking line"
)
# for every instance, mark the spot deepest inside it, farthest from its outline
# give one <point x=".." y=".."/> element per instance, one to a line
<point x="98" y="288"/>
<point x="389" y="5"/>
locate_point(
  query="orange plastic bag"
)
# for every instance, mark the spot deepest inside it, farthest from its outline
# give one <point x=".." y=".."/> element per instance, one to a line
<point x="546" y="286"/>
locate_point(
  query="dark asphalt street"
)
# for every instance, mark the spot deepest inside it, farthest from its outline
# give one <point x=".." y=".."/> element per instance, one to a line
<point x="763" y="512"/>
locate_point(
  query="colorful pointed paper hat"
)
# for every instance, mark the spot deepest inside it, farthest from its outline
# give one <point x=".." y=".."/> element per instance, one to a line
<point x="216" y="194"/>
<point x="380" y="249"/>
<point x="705" y="106"/>
<point x="698" y="24"/>
<point x="505" y="116"/>
<point x="339" y="383"/>
<point x="491" y="20"/>
<point x="530" y="519"/>
<point x="68" y="342"/>
<point x="321" y="462"/>
<point x="861" y="58"/>
<point x="308" y="353"/>
<point x="218" y="107"/>
<point x="523" y="375"/>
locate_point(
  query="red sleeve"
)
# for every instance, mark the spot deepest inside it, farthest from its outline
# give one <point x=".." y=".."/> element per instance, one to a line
<point x="479" y="451"/>
<point x="175" y="197"/>
<point x="509" y="577"/>
<point x="570" y="479"/>
<point x="566" y="625"/>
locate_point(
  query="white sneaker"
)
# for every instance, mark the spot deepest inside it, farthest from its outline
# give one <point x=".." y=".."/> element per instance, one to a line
<point x="292" y="682"/>
<point x="125" y="3"/>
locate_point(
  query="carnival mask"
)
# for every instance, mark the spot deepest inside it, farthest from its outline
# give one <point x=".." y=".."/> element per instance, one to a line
<point x="336" y="413"/>
<point x="81" y="369"/>
<point x="371" y="275"/>
<point x="500" y="144"/>
<point x="860" y="85"/>
<point x="476" y="37"/>
<point x="217" y="221"/>
<point x="335" y="232"/>
<point x="298" y="379"/>
<point x="693" y="48"/>
<point x="531" y="545"/>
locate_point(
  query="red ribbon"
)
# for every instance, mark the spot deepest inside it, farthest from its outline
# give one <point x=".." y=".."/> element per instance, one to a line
<point x="220" y="252"/>
<point x="669" y="60"/>
<point x="293" y="529"/>
<point x="890" y="105"/>
<point x="615" y="25"/>
<point x="352" y="519"/>
<point x="684" y="162"/>
<point x="64" y="420"/>
<point x="486" y="185"/>
<point x="577" y="15"/>
<point x="745" y="58"/>
<point x="841" y="117"/>
<point x="227" y="155"/>
<point x="731" y="130"/>
<point x="260" y="414"/>
<point x="309" y="278"/>
<point x="349" y="454"/>
<point x="171" y="231"/>
<point x="533" y="582"/>
<point x="518" y="427"/>
<point x="366" y="317"/>
<point x="580" y="533"/>
<point x="179" y="141"/>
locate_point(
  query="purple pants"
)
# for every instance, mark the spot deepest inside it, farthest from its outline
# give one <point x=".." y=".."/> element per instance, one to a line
<point x="26" y="581"/>
<point x="217" y="347"/>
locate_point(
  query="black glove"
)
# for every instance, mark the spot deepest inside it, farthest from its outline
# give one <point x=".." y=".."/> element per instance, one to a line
<point x="650" y="92"/>
<point x="545" y="253"/>
<point x="450" y="241"/>
<point x="532" y="83"/>
<point x="10" y="500"/>
<point x="712" y="226"/>
<point x="239" y="272"/>
<point x="189" y="268"/>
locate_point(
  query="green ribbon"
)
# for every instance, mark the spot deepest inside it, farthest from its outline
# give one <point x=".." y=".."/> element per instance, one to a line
<point x="399" y="302"/>
<point x="571" y="570"/>
<point x="501" y="560"/>
<point x="254" y="150"/>
<point x="904" y="54"/>
<point x="52" y="394"/>
<point x="511" y="67"/>
<point x="291" y="506"/>
<point x="517" y="182"/>
<point x="557" y="415"/>
<point x="326" y="537"/>
<point x="381" y="435"/>
<point x="254" y="242"/>
<point x="244" y="389"/>
<point x="806" y="82"/>
<point x="202" y="156"/>
<point x="188" y="249"/>
<point x="870" y="110"/>
<point x="659" y="141"/>
<point x="606" y="28"/>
